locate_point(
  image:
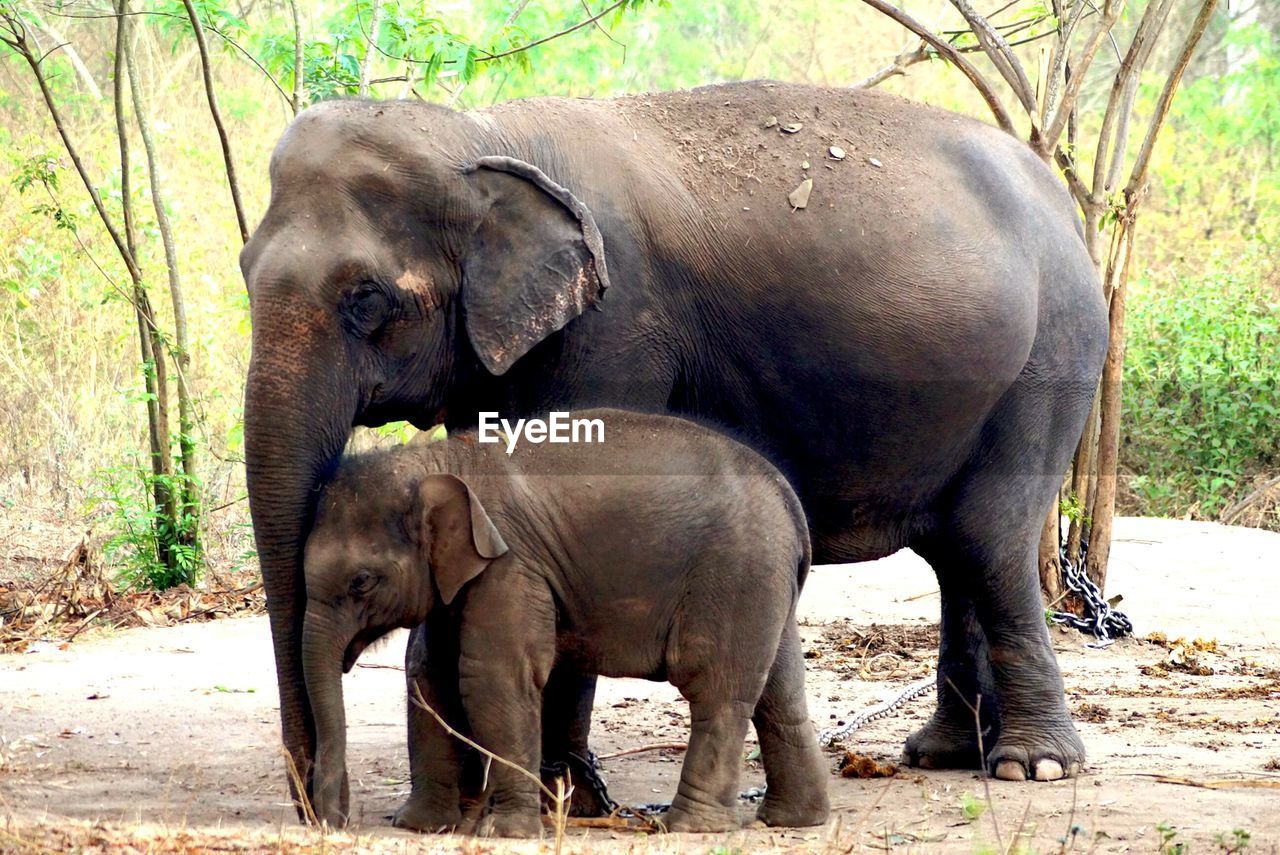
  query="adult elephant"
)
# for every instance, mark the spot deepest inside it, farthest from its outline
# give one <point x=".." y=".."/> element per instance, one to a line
<point x="915" y="344"/>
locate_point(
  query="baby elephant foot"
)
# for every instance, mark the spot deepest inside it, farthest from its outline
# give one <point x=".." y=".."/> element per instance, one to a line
<point x="420" y="815"/>
<point x="518" y="824"/>
<point x="794" y="812"/>
<point x="1043" y="755"/>
<point x="700" y="820"/>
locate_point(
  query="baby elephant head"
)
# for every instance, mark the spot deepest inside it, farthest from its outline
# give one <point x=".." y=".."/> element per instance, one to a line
<point x="380" y="553"/>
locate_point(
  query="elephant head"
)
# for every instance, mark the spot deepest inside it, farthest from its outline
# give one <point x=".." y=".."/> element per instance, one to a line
<point x="384" y="546"/>
<point x="398" y="258"/>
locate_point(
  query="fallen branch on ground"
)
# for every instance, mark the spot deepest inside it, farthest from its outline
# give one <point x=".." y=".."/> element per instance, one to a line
<point x="657" y="746"/>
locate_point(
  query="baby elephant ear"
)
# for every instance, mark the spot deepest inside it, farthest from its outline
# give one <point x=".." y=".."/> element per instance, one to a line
<point x="459" y="538"/>
<point x="535" y="262"/>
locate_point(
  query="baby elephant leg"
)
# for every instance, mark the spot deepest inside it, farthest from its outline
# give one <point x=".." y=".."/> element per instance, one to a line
<point x="435" y="757"/>
<point x="707" y="798"/>
<point x="796" y="782"/>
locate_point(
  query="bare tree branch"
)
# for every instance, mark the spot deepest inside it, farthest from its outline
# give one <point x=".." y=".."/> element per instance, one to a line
<point x="953" y="56"/>
<point x="1071" y="94"/>
<point x="900" y="64"/>
<point x="73" y="56"/>
<point x="605" y="32"/>
<point x="17" y="39"/>
<point x="208" y="27"/>
<point x="229" y="162"/>
<point x="1003" y="57"/>
<point x="1114" y="119"/>
<point x="923" y="53"/>
<point x="1138" y="178"/>
<point x="566" y="31"/>
<point x="299" y="66"/>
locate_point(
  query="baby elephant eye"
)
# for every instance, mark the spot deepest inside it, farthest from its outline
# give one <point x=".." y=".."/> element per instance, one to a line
<point x="363" y="583"/>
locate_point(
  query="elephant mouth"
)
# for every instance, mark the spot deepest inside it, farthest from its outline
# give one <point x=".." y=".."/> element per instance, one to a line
<point x="363" y="640"/>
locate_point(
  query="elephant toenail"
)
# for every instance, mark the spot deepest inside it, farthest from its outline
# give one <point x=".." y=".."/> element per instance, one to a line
<point x="1049" y="770"/>
<point x="1010" y="770"/>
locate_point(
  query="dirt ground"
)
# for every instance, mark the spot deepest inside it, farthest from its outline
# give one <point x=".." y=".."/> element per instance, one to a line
<point x="175" y="727"/>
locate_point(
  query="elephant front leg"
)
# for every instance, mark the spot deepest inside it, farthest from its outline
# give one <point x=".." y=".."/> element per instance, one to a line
<point x="435" y="757"/>
<point x="507" y="650"/>
<point x="566" y="726"/>
<point x="505" y="719"/>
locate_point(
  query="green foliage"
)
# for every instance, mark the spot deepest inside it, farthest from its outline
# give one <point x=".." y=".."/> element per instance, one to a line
<point x="1072" y="507"/>
<point x="1200" y="388"/>
<point x="1217" y="166"/>
<point x="416" y="45"/>
<point x="41" y="170"/>
<point x="1233" y="841"/>
<point x="1168" y="845"/>
<point x="972" y="807"/>
<point x="147" y="547"/>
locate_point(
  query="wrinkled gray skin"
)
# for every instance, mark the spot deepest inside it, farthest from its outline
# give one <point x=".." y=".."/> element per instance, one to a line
<point x="638" y="557"/>
<point x="916" y="350"/>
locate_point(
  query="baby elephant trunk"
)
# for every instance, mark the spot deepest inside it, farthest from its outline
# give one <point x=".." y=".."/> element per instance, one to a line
<point x="324" y="641"/>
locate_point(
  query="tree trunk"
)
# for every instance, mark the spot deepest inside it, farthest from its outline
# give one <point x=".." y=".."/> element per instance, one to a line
<point x="299" y="66"/>
<point x="370" y="48"/>
<point x="157" y="396"/>
<point x="1109" y="433"/>
<point x="185" y="528"/>
<point x="1050" y="567"/>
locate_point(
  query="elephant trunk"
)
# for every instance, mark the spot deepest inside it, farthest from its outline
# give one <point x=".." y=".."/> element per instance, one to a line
<point x="297" y="417"/>
<point x="324" y="638"/>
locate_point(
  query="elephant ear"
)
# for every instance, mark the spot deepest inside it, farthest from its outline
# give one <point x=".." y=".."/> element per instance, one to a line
<point x="535" y="262"/>
<point x="456" y="533"/>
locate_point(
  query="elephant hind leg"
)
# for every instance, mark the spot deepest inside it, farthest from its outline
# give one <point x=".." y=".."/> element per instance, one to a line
<point x="949" y="740"/>
<point x="983" y="550"/>
<point x="566" y="726"/>
<point x="796" y="782"/>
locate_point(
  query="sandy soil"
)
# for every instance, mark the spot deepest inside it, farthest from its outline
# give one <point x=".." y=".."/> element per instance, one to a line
<point x="177" y="725"/>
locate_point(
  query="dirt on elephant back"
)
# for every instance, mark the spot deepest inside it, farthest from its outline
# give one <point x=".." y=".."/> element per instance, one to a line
<point x="165" y="738"/>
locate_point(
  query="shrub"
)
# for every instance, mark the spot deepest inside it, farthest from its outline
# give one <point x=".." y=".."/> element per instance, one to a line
<point x="1200" y="387"/>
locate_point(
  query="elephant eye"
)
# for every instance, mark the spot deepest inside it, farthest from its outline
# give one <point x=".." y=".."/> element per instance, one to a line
<point x="367" y="308"/>
<point x="363" y="583"/>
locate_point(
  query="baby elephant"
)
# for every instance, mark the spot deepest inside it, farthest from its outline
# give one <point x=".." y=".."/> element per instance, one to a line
<point x="667" y="552"/>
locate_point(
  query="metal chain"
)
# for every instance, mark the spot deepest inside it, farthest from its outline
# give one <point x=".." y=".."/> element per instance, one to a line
<point x="914" y="690"/>
<point x="1103" y="622"/>
<point x="588" y="770"/>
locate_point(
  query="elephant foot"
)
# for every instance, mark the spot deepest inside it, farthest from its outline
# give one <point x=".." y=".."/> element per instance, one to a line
<point x="685" y="816"/>
<point x="519" y="824"/>
<point x="794" y="813"/>
<point x="944" y="743"/>
<point x="590" y="793"/>
<point x="420" y="815"/>
<point x="1041" y="754"/>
